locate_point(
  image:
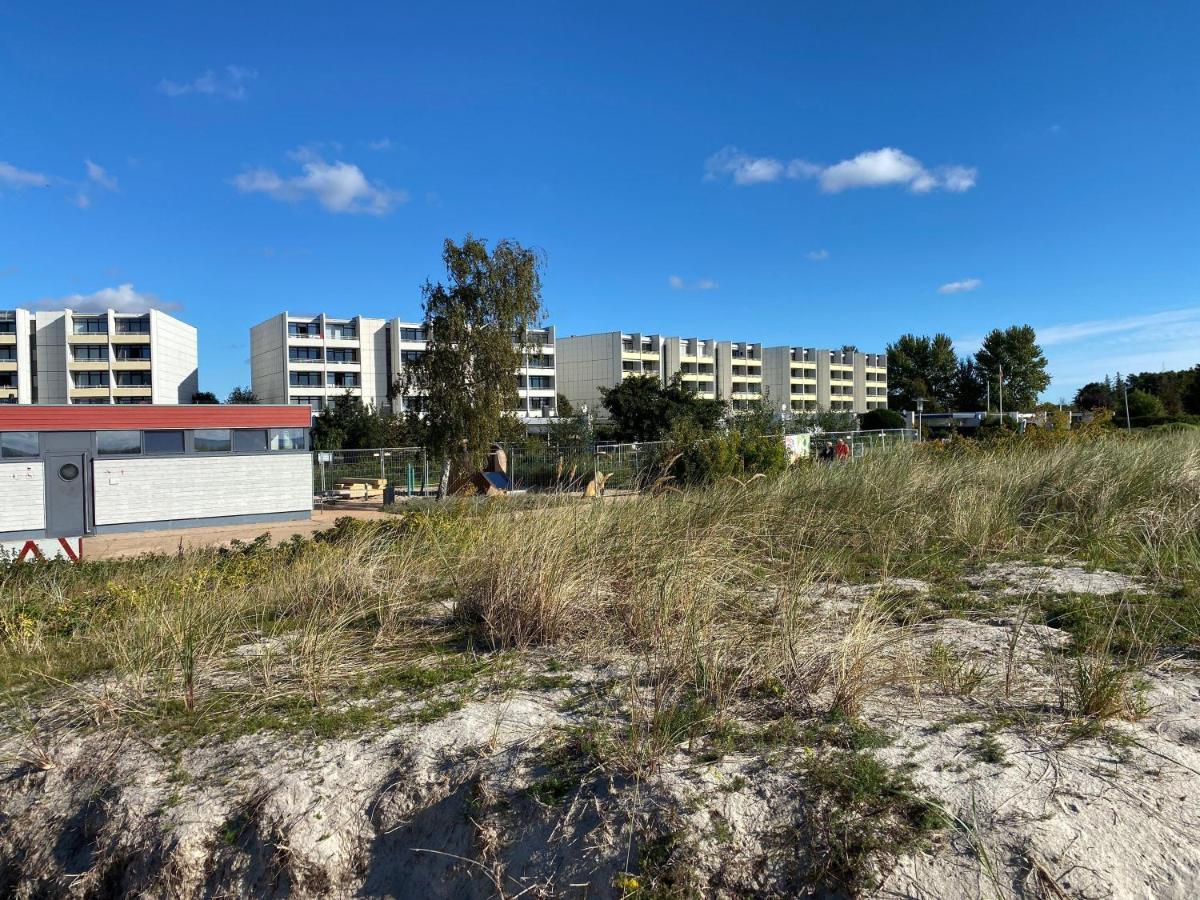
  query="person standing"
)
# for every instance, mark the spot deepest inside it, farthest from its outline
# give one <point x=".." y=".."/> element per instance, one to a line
<point x="843" y="449"/>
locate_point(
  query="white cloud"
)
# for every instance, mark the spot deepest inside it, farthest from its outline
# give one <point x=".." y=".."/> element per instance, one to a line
<point x="381" y="144"/>
<point x="230" y="83"/>
<point x="340" y="187"/>
<point x="11" y="176"/>
<point x="97" y="174"/>
<point x="700" y="284"/>
<point x="817" y="255"/>
<point x="122" y="298"/>
<point x="960" y="287"/>
<point x="875" y="168"/>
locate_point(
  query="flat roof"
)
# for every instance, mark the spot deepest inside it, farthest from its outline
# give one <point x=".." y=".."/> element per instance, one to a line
<point x="102" y="417"/>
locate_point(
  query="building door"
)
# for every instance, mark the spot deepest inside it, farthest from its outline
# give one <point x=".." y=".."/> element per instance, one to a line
<point x="66" y="494"/>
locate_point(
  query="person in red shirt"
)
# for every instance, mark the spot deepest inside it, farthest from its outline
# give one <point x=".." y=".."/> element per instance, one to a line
<point x="843" y="449"/>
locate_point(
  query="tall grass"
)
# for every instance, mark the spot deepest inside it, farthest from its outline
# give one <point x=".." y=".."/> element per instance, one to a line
<point x="705" y="593"/>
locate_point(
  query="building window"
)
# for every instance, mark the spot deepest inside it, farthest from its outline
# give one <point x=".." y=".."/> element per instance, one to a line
<point x="8" y="380"/>
<point x="212" y="440"/>
<point x="130" y="401"/>
<point x="132" y="351"/>
<point x="140" y="325"/>
<point x="316" y="403"/>
<point x="412" y="334"/>
<point x="8" y="326"/>
<point x="89" y="324"/>
<point x="89" y="401"/>
<point x="289" y="439"/>
<point x="346" y="379"/>
<point x="118" y="443"/>
<point x="133" y="379"/>
<point x="301" y="354"/>
<point x="541" y="382"/>
<point x="161" y="443"/>
<point x="249" y="440"/>
<point x="342" y="356"/>
<point x="18" y="444"/>
<point x="305" y="379"/>
<point x="408" y="357"/>
<point x="84" y="352"/>
<point x="303" y="330"/>
<point x="347" y="332"/>
<point x="91" y="379"/>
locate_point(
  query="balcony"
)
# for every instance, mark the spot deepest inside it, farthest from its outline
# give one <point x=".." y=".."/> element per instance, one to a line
<point x="7" y="338"/>
<point x="94" y="337"/>
<point x="8" y="365"/>
<point x="139" y="390"/>
<point x="130" y="365"/>
<point x="85" y="392"/>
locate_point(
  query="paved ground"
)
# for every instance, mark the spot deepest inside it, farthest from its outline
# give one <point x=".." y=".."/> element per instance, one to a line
<point x="111" y="546"/>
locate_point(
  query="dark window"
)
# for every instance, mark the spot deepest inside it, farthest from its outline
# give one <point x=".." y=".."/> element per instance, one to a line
<point x="91" y="379"/>
<point x="90" y="351"/>
<point x="411" y="356"/>
<point x="8" y="379"/>
<point x="133" y="326"/>
<point x="14" y="444"/>
<point x="132" y="351"/>
<point x="133" y="379"/>
<point x="289" y="439"/>
<point x="129" y="401"/>
<point x="249" y="440"/>
<point x="412" y="334"/>
<point x="8" y="352"/>
<point x="304" y="353"/>
<point x="212" y="440"/>
<point x="163" y="442"/>
<point x="90" y="324"/>
<point x="305" y="379"/>
<point x="342" y="356"/>
<point x="342" y="333"/>
<point x="112" y="443"/>
<point x="345" y="379"/>
<point x="8" y="326"/>
<point x="303" y="329"/>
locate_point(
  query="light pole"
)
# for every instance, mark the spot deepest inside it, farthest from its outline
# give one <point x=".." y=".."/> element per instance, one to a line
<point x="920" y="417"/>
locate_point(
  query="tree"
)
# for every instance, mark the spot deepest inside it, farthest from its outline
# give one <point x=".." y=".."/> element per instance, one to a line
<point x="466" y="374"/>
<point x="642" y="409"/>
<point x="569" y="427"/>
<point x="1095" y="395"/>
<point x="878" y="419"/>
<point x="922" y="367"/>
<point x="566" y="408"/>
<point x="205" y="397"/>
<point x="1190" y="399"/>
<point x="1015" y="351"/>
<point x="347" y="424"/>
<point x="970" y="387"/>
<point x="242" y="395"/>
<point x="1143" y="405"/>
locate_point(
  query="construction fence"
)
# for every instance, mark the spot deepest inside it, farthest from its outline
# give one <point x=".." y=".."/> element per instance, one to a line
<point x="412" y="472"/>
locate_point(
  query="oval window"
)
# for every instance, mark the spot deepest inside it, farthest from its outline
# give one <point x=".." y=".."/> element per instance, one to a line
<point x="68" y="472"/>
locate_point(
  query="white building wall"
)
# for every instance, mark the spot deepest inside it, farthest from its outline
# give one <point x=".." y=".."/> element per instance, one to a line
<point x="22" y="496"/>
<point x="50" y="329"/>
<point x="198" y="487"/>
<point x="24" y="361"/>
<point x="268" y="360"/>
<point x="174" y="363"/>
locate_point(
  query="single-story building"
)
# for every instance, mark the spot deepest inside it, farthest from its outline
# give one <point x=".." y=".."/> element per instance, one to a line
<point x="70" y="471"/>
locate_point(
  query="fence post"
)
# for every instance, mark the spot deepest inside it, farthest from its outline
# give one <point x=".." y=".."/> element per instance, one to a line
<point x="321" y="462"/>
<point x="425" y="475"/>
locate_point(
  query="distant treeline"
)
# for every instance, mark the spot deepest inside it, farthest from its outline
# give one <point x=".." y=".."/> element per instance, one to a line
<point x="1154" y="397"/>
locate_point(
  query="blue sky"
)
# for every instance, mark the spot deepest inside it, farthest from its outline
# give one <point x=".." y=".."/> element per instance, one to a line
<point x="812" y="174"/>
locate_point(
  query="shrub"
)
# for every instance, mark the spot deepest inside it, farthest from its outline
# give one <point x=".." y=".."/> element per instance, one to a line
<point x="877" y="419"/>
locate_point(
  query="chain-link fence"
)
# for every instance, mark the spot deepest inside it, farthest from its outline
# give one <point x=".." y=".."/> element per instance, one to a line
<point x="860" y="442"/>
<point x="569" y="468"/>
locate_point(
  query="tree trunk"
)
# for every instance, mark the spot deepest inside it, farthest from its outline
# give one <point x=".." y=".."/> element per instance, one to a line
<point x="444" y="481"/>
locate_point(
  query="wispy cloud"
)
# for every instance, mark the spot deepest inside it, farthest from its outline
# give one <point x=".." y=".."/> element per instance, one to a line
<point x="817" y="255"/>
<point x="97" y="174"/>
<point x="339" y="187"/>
<point x="677" y="283"/>
<point x="381" y="144"/>
<point x="122" y="298"/>
<point x="875" y="168"/>
<point x="1083" y="351"/>
<point x="13" y="177"/>
<point x="229" y="83"/>
<point x="960" y="287"/>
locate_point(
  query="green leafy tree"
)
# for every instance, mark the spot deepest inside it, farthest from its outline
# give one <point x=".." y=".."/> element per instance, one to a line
<point x="1015" y="351"/>
<point x="476" y="322"/>
<point x="879" y="419"/>
<point x="205" y="397"/>
<point x="642" y="409"/>
<point x="970" y="388"/>
<point x="242" y="395"/>
<point x="1096" y="395"/>
<point x="570" y="427"/>
<point x="347" y="424"/>
<point x="1145" y="405"/>
<point x="1190" y="395"/>
<point x="922" y="367"/>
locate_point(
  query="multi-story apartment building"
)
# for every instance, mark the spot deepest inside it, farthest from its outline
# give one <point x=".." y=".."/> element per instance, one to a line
<point x="67" y="357"/>
<point x="806" y="379"/>
<point x="738" y="373"/>
<point x="592" y="361"/>
<point x="312" y="360"/>
<point x="694" y="360"/>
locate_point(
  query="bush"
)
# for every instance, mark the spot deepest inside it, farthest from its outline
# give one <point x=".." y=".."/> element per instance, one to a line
<point x="743" y="450"/>
<point x="879" y="419"/>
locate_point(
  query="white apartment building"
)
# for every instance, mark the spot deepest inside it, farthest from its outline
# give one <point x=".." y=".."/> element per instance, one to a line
<point x="314" y="359"/>
<point x="589" y="362"/>
<point x="806" y="379"/>
<point x="738" y="373"/>
<point x="65" y="357"/>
